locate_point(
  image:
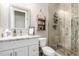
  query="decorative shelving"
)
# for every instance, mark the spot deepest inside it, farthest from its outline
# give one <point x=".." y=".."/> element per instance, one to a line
<point x="41" y="21"/>
<point x="41" y="24"/>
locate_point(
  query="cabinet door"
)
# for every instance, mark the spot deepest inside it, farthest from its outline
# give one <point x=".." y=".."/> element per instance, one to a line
<point x="21" y="51"/>
<point x="6" y="53"/>
<point x="34" y="50"/>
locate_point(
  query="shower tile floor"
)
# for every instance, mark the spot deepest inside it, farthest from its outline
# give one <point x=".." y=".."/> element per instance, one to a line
<point x="64" y="52"/>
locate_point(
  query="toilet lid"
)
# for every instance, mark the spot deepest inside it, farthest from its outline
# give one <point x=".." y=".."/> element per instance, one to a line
<point x="48" y="51"/>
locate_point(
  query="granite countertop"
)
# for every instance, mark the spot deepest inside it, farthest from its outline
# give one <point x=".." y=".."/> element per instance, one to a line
<point x="18" y="38"/>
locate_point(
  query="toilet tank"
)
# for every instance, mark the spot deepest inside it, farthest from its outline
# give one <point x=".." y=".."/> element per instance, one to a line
<point x="43" y="42"/>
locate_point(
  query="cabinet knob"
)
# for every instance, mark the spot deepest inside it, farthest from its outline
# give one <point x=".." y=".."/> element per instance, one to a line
<point x="15" y="53"/>
<point x="34" y="50"/>
<point x="11" y="54"/>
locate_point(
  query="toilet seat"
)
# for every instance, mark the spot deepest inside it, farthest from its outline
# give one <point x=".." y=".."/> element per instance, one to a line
<point x="48" y="51"/>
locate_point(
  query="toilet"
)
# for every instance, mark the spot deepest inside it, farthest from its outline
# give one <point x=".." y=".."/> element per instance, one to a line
<point x="46" y="50"/>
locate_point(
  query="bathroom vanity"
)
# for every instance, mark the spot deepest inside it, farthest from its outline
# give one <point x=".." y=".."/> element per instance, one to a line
<point x="19" y="46"/>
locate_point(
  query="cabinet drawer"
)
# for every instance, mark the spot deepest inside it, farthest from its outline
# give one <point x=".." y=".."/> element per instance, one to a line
<point x="12" y="44"/>
<point x="6" y="53"/>
<point x="16" y="44"/>
<point x="34" y="50"/>
<point x="21" y="51"/>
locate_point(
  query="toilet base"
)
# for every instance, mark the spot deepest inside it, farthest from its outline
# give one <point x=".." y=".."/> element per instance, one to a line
<point x="52" y="53"/>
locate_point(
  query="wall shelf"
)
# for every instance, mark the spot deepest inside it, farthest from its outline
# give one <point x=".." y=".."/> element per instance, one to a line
<point x="41" y="21"/>
<point x="41" y="24"/>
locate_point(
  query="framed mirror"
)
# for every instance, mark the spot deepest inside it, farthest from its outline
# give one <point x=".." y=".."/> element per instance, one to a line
<point x="19" y="18"/>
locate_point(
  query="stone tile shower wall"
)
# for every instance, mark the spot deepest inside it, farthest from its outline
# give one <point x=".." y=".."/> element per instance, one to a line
<point x="65" y="31"/>
<point x="69" y="25"/>
<point x="53" y="33"/>
<point x="75" y="28"/>
<point x="65" y="25"/>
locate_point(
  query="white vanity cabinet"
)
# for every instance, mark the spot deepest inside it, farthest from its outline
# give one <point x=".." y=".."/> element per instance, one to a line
<point x="33" y="50"/>
<point x="21" y="51"/>
<point x="15" y="52"/>
<point x="20" y="47"/>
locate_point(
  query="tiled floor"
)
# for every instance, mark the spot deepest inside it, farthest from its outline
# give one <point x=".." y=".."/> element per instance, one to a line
<point x="64" y="52"/>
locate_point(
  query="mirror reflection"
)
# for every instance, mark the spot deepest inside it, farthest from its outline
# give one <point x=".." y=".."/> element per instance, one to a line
<point x="19" y="19"/>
